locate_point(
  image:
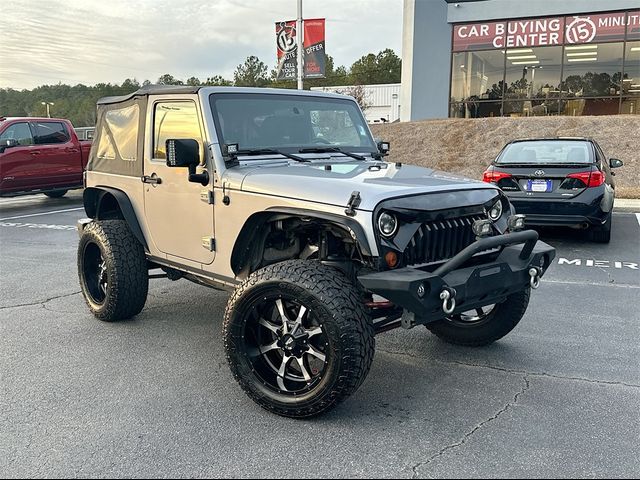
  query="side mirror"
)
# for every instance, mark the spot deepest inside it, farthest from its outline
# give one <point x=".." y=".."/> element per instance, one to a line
<point x="9" y="143"/>
<point x="384" y="147"/>
<point x="186" y="153"/>
<point x="615" y="163"/>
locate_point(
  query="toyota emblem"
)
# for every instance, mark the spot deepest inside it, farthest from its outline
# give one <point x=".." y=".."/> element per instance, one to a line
<point x="539" y="173"/>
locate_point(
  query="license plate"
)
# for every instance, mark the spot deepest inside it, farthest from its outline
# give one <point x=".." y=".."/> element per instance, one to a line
<point x="539" y="185"/>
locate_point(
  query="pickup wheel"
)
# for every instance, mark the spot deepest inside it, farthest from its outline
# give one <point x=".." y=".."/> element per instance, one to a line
<point x="56" y="193"/>
<point x="297" y="338"/>
<point x="113" y="270"/>
<point x="485" y="325"/>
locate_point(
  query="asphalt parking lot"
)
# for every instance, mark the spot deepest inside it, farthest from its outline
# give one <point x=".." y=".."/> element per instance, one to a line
<point x="153" y="397"/>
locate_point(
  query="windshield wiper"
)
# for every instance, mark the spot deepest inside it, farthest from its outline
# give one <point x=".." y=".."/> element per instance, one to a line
<point x="270" y="151"/>
<point x="331" y="150"/>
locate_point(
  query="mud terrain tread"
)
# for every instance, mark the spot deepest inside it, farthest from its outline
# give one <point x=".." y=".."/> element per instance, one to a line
<point x="127" y="270"/>
<point x="505" y="318"/>
<point x="341" y="298"/>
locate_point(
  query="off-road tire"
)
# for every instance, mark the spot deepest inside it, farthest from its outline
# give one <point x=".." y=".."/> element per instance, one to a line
<point x="602" y="233"/>
<point x="127" y="274"/>
<point x="499" y="322"/>
<point x="56" y="193"/>
<point x="348" y="329"/>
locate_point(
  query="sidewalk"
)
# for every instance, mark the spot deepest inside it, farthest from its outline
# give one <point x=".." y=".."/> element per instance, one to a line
<point x="627" y="205"/>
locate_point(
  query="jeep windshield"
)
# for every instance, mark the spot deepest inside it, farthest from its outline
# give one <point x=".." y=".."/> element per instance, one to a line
<point x="291" y="124"/>
<point x="547" y="152"/>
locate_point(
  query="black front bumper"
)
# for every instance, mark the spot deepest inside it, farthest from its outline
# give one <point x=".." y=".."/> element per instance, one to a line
<point x="419" y="291"/>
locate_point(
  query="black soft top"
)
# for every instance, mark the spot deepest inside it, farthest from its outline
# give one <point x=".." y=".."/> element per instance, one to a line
<point x="150" y="90"/>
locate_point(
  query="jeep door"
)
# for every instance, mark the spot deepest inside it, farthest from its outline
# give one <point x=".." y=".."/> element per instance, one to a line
<point x="179" y="221"/>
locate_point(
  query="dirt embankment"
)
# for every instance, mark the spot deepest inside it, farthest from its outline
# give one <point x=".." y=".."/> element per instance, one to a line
<point x="468" y="146"/>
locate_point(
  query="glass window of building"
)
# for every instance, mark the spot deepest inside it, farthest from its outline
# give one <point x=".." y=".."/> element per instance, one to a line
<point x="593" y="70"/>
<point x="477" y="76"/>
<point x="631" y="80"/>
<point x="534" y="72"/>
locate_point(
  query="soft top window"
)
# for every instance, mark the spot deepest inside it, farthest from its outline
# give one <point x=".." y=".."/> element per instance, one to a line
<point x="119" y="134"/>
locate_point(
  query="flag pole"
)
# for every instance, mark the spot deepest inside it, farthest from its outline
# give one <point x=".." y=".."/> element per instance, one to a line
<point x="300" y="43"/>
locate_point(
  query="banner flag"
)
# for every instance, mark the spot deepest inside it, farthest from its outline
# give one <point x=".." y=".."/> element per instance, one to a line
<point x="287" y="47"/>
<point x="314" y="49"/>
<point x="314" y="54"/>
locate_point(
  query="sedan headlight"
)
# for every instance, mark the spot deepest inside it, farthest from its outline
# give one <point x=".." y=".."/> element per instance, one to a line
<point x="495" y="212"/>
<point x="387" y="224"/>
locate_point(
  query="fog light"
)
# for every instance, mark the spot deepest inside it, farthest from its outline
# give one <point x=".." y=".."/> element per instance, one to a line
<point x="516" y="223"/>
<point x="482" y="228"/>
<point x="392" y="259"/>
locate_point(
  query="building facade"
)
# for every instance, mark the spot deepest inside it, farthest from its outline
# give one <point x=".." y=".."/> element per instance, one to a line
<point x="485" y="58"/>
<point x="381" y="103"/>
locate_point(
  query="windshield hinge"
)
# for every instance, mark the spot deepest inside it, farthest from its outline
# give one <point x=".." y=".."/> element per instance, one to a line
<point x="207" y="196"/>
<point x="209" y="243"/>
<point x="353" y="203"/>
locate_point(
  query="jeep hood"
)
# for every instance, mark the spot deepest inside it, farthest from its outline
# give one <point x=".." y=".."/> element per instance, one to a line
<point x="333" y="182"/>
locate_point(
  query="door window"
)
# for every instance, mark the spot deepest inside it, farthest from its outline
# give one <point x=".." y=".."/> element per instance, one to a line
<point x="175" y="120"/>
<point x="48" y="133"/>
<point x="18" y="131"/>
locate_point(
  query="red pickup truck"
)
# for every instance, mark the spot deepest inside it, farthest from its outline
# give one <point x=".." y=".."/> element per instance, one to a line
<point x="40" y="155"/>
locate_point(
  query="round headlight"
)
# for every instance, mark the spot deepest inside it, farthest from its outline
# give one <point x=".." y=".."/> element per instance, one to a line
<point x="495" y="212"/>
<point x="387" y="224"/>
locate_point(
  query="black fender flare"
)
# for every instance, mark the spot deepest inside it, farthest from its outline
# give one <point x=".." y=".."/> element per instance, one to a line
<point x="254" y="223"/>
<point x="92" y="199"/>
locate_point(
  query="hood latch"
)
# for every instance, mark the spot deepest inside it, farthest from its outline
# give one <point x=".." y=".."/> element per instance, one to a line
<point x="353" y="203"/>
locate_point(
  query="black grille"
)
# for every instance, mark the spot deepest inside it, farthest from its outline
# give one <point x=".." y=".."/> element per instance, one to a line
<point x="440" y="240"/>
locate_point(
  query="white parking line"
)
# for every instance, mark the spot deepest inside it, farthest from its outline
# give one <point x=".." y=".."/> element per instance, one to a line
<point x="37" y="225"/>
<point x="638" y="217"/>
<point x="43" y="213"/>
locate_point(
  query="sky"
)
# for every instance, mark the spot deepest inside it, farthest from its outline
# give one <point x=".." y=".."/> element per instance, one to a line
<point x="91" y="41"/>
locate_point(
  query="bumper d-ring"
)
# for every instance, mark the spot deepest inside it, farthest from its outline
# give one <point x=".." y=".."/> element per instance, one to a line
<point x="448" y="301"/>
<point x="534" y="281"/>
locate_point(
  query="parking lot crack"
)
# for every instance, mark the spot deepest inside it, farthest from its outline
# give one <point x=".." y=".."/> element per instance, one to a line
<point x="41" y="302"/>
<point x="470" y="433"/>
<point x="517" y="372"/>
<point x="545" y="375"/>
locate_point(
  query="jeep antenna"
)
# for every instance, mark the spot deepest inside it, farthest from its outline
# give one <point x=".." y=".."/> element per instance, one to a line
<point x="299" y="42"/>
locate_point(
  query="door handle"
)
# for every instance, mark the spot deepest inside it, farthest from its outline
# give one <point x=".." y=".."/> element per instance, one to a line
<point x="35" y="152"/>
<point x="153" y="179"/>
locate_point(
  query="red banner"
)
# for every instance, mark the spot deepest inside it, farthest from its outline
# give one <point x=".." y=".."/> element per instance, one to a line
<point x="539" y="32"/>
<point x="314" y="56"/>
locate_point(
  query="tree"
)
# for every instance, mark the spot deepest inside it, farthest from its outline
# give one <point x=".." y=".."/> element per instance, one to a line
<point x="218" y="81"/>
<point x="359" y="93"/>
<point x="130" y="85"/>
<point x="168" y="79"/>
<point x="193" y="82"/>
<point x="251" y="73"/>
<point x="385" y="67"/>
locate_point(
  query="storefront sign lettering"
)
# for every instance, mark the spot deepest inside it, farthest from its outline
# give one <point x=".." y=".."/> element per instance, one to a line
<point x="525" y="33"/>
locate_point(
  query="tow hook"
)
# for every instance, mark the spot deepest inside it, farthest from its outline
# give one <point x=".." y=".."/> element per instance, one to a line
<point x="448" y="297"/>
<point x="534" y="281"/>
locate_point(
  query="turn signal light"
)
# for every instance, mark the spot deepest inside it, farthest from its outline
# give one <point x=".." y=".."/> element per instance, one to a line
<point x="590" y="179"/>
<point x="491" y="176"/>
<point x="392" y="259"/>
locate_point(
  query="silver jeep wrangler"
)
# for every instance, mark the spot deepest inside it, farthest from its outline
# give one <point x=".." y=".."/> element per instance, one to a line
<point x="284" y="199"/>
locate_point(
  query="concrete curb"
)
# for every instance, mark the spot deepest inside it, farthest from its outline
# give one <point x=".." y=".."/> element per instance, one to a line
<point x="627" y="205"/>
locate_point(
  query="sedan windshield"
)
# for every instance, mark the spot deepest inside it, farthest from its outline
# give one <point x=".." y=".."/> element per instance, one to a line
<point x="290" y="123"/>
<point x="552" y="152"/>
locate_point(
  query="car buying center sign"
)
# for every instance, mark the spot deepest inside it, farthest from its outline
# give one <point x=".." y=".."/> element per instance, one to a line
<point x="314" y="45"/>
<point x="539" y="32"/>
